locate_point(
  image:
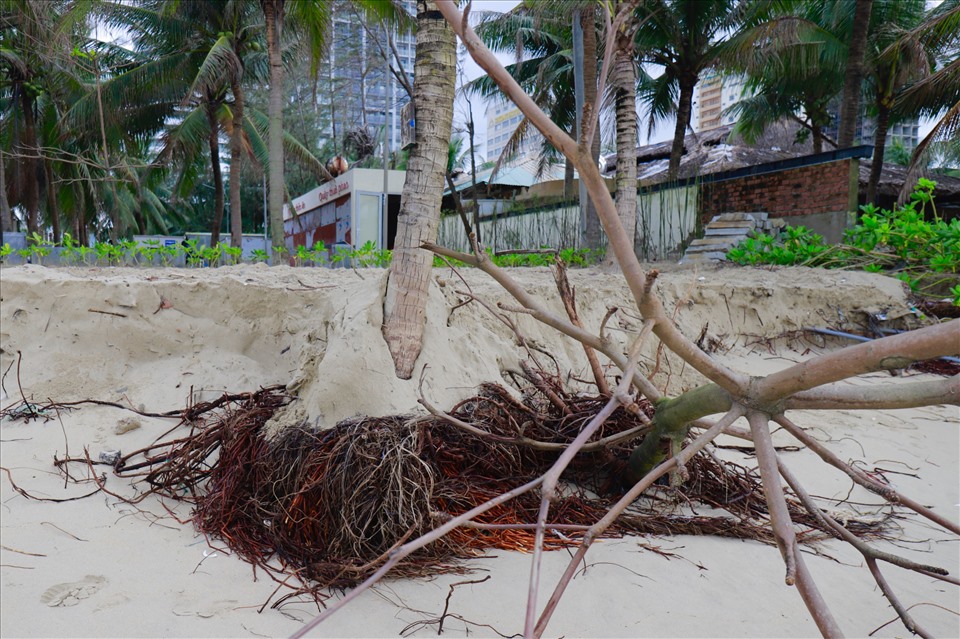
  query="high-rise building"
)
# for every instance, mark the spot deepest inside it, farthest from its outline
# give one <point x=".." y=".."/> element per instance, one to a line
<point x="715" y="93"/>
<point x="503" y="117"/>
<point x="711" y="96"/>
<point x="359" y="91"/>
<point x="905" y="132"/>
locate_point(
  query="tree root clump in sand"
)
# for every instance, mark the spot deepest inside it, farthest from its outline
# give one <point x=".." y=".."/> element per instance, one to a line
<point x="321" y="509"/>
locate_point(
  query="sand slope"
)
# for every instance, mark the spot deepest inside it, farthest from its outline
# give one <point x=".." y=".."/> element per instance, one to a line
<point x="151" y="337"/>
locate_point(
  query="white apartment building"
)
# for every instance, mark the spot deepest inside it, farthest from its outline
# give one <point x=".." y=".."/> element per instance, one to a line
<point x="715" y="93"/>
<point x="502" y="120"/>
<point x="711" y="96"/>
<point x="360" y="89"/>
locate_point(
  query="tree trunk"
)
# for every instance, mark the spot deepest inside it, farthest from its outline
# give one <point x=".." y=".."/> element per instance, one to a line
<point x="850" y="107"/>
<point x="236" y="164"/>
<point x="405" y="302"/>
<point x="53" y="211"/>
<point x="879" y="142"/>
<point x="471" y="130"/>
<point x="684" y="106"/>
<point x="6" y="217"/>
<point x="568" y="172"/>
<point x="217" y="220"/>
<point x="624" y="82"/>
<point x="31" y="188"/>
<point x="593" y="231"/>
<point x="273" y="16"/>
<point x="816" y="135"/>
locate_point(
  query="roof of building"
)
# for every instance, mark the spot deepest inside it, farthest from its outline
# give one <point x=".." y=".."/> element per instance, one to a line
<point x="522" y="174"/>
<point x="717" y="151"/>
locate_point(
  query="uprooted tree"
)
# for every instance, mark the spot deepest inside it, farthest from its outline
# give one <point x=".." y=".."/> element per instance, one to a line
<point x="760" y="401"/>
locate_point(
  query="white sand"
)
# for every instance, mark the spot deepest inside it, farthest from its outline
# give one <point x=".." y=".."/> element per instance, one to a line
<point x="141" y="574"/>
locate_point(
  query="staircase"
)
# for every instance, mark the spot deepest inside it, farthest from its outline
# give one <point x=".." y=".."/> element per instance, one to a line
<point x="726" y="231"/>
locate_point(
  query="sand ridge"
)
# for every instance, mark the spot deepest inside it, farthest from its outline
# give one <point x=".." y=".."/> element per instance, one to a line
<point x="150" y="337"/>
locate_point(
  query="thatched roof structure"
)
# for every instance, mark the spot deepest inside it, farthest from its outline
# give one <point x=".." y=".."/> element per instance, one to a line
<point x="718" y="150"/>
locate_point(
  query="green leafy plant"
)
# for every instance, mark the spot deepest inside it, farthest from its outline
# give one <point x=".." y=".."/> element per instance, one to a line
<point x="211" y="254"/>
<point x="5" y="251"/>
<point x="259" y="255"/>
<point x="36" y="249"/>
<point x="955" y="292"/>
<point x="235" y="253"/>
<point x="192" y="252"/>
<point x="302" y="255"/>
<point x="102" y="251"/>
<point x="319" y="254"/>
<point x="85" y="253"/>
<point x="883" y="240"/>
<point x="69" y="250"/>
<point x="150" y="249"/>
<point x="129" y="252"/>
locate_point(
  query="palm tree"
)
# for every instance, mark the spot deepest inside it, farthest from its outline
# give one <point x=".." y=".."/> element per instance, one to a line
<point x="38" y="75"/>
<point x="624" y="84"/>
<point x="938" y="95"/>
<point x="794" y="70"/>
<point x="542" y="36"/>
<point x="543" y="42"/>
<point x="434" y="83"/>
<point x="310" y="20"/>
<point x="896" y="57"/>
<point x="850" y="106"/>
<point x="684" y="37"/>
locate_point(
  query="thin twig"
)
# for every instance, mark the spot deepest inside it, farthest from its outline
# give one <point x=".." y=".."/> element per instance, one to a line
<point x="93" y="310"/>
<point x="862" y="478"/>
<point x="617" y="509"/>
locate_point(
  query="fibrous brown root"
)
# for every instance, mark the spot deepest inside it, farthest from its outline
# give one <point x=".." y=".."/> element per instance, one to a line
<point x="328" y="506"/>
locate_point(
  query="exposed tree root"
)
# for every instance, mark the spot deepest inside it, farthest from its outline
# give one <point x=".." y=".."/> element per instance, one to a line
<point x="321" y="509"/>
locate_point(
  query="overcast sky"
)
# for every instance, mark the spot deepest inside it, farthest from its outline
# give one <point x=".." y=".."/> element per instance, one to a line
<point x="471" y="70"/>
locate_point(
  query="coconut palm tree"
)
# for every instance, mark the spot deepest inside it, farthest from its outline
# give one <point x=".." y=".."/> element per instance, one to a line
<point x="938" y="95"/>
<point x="434" y="83"/>
<point x="37" y="76"/>
<point x="850" y="105"/>
<point x="203" y="47"/>
<point x="543" y="42"/>
<point x="684" y="37"/>
<point x="896" y="57"/>
<point x="310" y="21"/>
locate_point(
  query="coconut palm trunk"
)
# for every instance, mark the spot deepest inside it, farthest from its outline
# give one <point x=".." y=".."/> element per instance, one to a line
<point x="879" y="142"/>
<point x="684" y="107"/>
<point x="214" y="142"/>
<point x="404" y="312"/>
<point x="273" y="17"/>
<point x="624" y="82"/>
<point x="6" y="217"/>
<point x="850" y="107"/>
<point x="236" y="165"/>
<point x="31" y="186"/>
<point x="592" y="231"/>
<point x="816" y="136"/>
<point x="53" y="211"/>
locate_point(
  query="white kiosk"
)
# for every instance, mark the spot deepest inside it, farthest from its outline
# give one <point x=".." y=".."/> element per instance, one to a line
<point x="349" y="210"/>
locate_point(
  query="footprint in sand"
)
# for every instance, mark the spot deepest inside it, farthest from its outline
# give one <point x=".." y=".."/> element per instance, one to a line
<point x="70" y="594"/>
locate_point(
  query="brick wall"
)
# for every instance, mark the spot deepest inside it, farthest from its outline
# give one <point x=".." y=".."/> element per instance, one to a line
<point x="808" y="190"/>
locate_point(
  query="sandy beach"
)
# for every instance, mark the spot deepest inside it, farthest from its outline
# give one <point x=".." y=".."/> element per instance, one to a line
<point x="162" y="338"/>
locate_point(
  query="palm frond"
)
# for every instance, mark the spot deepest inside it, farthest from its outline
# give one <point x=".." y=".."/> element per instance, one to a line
<point x="220" y="65"/>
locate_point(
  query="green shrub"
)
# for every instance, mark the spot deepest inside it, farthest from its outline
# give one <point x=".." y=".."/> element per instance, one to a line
<point x="899" y="240"/>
